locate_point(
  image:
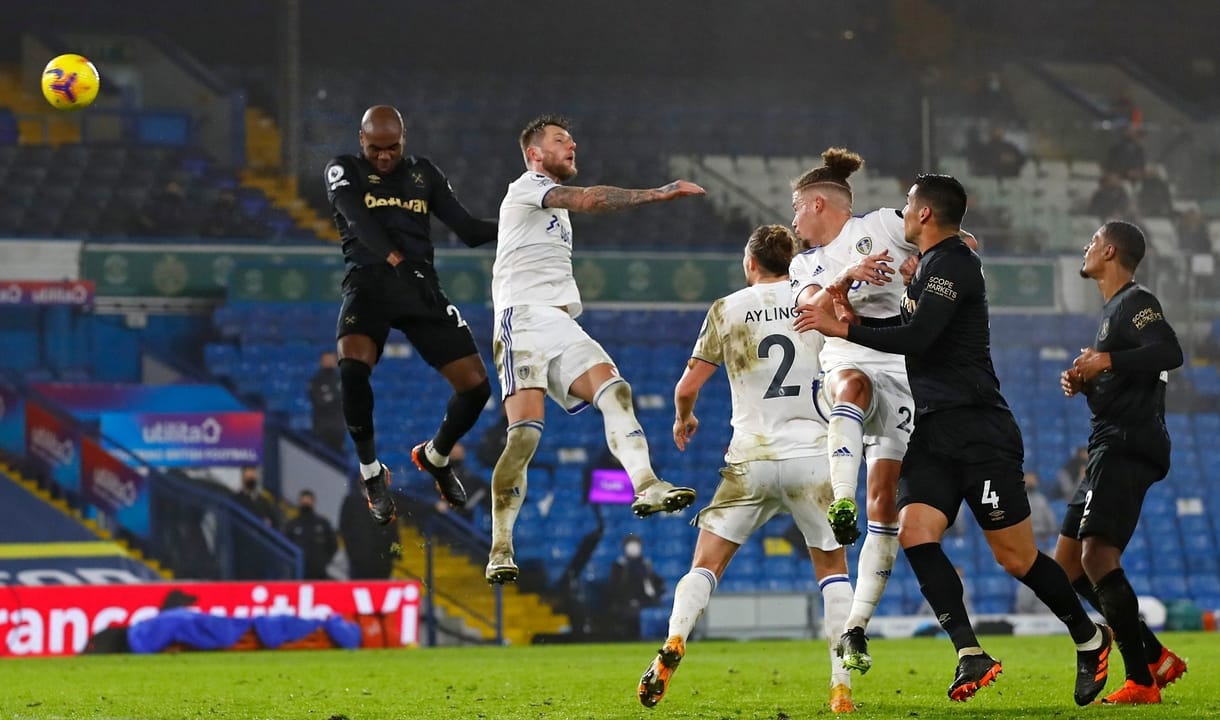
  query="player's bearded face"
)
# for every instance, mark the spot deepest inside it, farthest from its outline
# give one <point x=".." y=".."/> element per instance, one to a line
<point x="559" y="155"/>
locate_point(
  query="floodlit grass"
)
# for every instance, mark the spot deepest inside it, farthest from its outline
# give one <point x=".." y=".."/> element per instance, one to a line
<point x="761" y="679"/>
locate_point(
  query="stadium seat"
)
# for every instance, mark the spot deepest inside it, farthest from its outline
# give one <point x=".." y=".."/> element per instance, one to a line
<point x="994" y="586"/>
<point x="993" y="605"/>
<point x="1140" y="583"/>
<point x="891" y="605"/>
<point x="1169" y="587"/>
<point x="1203" y="583"/>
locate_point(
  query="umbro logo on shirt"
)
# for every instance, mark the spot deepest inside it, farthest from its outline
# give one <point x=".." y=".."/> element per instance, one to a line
<point x="841" y="452"/>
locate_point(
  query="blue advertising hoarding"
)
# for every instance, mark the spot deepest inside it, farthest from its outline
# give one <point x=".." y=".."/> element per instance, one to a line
<point x="88" y="400"/>
<point x="53" y="444"/>
<point x="114" y="488"/>
<point x="187" y="439"/>
<point x="12" y="420"/>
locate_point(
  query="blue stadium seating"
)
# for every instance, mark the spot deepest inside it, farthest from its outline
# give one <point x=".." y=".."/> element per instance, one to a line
<point x="1170" y="587"/>
<point x="1141" y="583"/>
<point x="1165" y="548"/>
<point x="130" y="190"/>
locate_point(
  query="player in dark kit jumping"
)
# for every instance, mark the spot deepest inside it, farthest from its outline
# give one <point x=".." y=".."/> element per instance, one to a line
<point x="966" y="446"/>
<point x="1123" y="377"/>
<point x="383" y="202"/>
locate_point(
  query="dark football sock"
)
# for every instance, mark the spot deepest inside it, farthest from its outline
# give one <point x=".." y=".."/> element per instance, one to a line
<point x="940" y="585"/>
<point x="1050" y="583"/>
<point x="461" y="415"/>
<point x="1121" y="608"/>
<point x="357" y="396"/>
<point x="1152" y="644"/>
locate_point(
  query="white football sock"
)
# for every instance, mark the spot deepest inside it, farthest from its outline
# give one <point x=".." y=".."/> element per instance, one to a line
<point x="370" y="470"/>
<point x="508" y="482"/>
<point x="836" y="600"/>
<point x="877" y="557"/>
<point x="434" y="457"/>
<point x="691" y="597"/>
<point x="845" y="441"/>
<point x="624" y="435"/>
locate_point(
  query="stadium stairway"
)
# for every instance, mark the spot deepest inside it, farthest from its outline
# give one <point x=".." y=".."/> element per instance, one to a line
<point x="264" y="172"/>
<point x="43" y="531"/>
<point x="457" y="576"/>
<point x="37" y="122"/>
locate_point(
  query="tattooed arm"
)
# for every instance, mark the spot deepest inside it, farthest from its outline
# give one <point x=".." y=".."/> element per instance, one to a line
<point x="606" y="198"/>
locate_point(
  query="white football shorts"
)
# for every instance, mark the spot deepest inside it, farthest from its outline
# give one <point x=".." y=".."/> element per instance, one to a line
<point x="890" y="417"/>
<point x="751" y="493"/>
<point x="542" y="347"/>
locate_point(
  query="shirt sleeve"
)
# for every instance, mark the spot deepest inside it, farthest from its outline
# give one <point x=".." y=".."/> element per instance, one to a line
<point x="952" y="278"/>
<point x="807" y="269"/>
<point x="900" y="247"/>
<point x="531" y="189"/>
<point x="709" y="347"/>
<point x="891" y="222"/>
<point x="1157" y="344"/>
<point x="472" y="231"/>
<point x="342" y="189"/>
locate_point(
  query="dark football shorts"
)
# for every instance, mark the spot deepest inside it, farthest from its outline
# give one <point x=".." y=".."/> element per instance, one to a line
<point x="973" y="455"/>
<point x="376" y="300"/>
<point x="1120" y="470"/>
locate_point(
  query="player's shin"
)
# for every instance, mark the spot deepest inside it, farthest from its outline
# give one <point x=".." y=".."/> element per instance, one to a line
<point x="873" y="572"/>
<point x="942" y="588"/>
<point x="624" y="435"/>
<point x="836" y="601"/>
<point x="1120" y="606"/>
<point x="845" y="440"/>
<point x="691" y="597"/>
<point x="357" y="396"/>
<point x="1050" y="583"/>
<point x="460" y="415"/>
<point x="1152" y="644"/>
<point x="508" y="482"/>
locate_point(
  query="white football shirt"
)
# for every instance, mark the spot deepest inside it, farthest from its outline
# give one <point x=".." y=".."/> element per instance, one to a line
<point x="860" y="237"/>
<point x="770" y="375"/>
<point x="534" y="250"/>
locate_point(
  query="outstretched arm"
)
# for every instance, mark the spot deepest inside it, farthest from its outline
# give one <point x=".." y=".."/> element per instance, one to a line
<point x="472" y="231"/>
<point x="607" y="198"/>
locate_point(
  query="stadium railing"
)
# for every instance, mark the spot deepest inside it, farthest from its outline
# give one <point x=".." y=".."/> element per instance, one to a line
<point x="196" y="531"/>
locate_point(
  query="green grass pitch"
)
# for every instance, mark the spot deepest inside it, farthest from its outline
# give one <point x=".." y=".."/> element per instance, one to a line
<point x="777" y="680"/>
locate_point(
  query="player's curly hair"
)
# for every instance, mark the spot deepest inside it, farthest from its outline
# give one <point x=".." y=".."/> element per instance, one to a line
<point x="533" y="130"/>
<point x="837" y="165"/>
<point x="773" y="247"/>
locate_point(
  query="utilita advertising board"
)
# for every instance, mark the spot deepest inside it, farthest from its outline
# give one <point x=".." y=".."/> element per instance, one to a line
<point x="59" y="620"/>
<point x="12" y="420"/>
<point x="54" y="445"/>
<point x="38" y="292"/>
<point x="115" y="488"/>
<point x="188" y="439"/>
